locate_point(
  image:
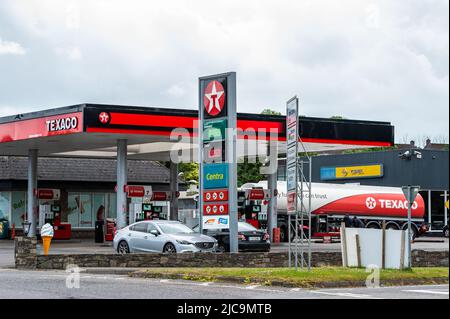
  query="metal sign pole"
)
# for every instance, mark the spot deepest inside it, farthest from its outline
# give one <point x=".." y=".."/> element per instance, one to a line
<point x="289" y="241"/>
<point x="409" y="227"/>
<point x="410" y="193"/>
<point x="301" y="212"/>
<point x="292" y="173"/>
<point x="309" y="215"/>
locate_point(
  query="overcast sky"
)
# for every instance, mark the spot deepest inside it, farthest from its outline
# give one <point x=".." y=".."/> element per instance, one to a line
<point x="382" y="60"/>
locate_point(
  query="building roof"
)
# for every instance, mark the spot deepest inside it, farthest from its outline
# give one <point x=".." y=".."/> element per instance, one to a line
<point x="83" y="170"/>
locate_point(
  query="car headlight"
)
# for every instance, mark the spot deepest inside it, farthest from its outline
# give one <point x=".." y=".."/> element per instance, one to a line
<point x="184" y="242"/>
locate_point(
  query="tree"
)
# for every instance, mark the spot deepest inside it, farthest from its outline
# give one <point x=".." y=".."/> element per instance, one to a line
<point x="189" y="170"/>
<point x="270" y="112"/>
<point x="248" y="172"/>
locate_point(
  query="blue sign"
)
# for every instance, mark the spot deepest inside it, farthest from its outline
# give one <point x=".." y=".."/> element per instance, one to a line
<point x="327" y="173"/>
<point x="215" y="176"/>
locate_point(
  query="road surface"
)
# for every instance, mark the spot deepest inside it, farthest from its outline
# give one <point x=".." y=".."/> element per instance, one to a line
<point x="53" y="284"/>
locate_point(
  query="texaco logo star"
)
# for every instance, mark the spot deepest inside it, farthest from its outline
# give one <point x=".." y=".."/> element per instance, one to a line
<point x="103" y="118"/>
<point x="371" y="203"/>
<point x="214" y="98"/>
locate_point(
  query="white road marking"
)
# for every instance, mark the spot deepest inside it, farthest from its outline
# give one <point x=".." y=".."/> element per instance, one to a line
<point x="428" y="292"/>
<point x="345" y="294"/>
<point x="296" y="289"/>
<point x="204" y="284"/>
<point x="252" y="287"/>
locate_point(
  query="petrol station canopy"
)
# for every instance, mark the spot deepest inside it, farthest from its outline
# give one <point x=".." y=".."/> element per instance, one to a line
<point x="92" y="130"/>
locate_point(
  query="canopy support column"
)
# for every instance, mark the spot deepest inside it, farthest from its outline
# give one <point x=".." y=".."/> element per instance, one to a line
<point x="174" y="191"/>
<point x="121" y="183"/>
<point x="32" y="208"/>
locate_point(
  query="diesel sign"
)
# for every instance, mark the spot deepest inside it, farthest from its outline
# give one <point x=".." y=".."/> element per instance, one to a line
<point x="68" y="123"/>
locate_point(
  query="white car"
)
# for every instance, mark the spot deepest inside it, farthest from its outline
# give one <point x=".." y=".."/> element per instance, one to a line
<point x="161" y="236"/>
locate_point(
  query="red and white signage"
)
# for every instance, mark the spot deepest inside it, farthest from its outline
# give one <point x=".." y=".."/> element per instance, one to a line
<point x="291" y="202"/>
<point x="48" y="193"/>
<point x="355" y="200"/>
<point x="389" y="205"/>
<point x="161" y="196"/>
<point x="139" y="191"/>
<point x="257" y="194"/>
<point x="104" y="117"/>
<point x="63" y="124"/>
<point x="219" y="195"/>
<point x="215" y="209"/>
<point x="214" y="98"/>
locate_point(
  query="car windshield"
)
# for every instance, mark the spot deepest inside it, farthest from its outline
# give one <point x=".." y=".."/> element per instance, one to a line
<point x="175" y="228"/>
<point x="246" y="227"/>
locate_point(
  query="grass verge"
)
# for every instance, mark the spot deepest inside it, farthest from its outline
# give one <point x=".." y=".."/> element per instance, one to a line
<point x="317" y="278"/>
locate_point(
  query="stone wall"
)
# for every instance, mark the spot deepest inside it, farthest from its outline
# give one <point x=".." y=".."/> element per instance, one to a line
<point x="423" y="258"/>
<point x="25" y="252"/>
<point x="26" y="258"/>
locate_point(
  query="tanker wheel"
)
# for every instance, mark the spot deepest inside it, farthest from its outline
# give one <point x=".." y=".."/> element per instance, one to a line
<point x="414" y="231"/>
<point x="283" y="234"/>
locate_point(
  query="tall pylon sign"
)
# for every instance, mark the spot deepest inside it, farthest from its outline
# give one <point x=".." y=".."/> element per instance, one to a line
<point x="217" y="154"/>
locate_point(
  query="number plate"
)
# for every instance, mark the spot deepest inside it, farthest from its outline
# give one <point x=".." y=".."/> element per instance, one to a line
<point x="254" y="238"/>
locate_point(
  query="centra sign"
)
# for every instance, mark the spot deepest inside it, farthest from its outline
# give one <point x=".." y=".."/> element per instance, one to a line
<point x="215" y="176"/>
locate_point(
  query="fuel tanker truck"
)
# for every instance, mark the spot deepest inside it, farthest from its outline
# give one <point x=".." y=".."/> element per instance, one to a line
<point x="330" y="203"/>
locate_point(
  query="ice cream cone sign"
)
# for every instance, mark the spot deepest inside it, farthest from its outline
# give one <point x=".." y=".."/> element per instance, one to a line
<point x="47" y="233"/>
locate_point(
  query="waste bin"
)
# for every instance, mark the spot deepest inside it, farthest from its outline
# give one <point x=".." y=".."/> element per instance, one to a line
<point x="4" y="229"/>
<point x="99" y="231"/>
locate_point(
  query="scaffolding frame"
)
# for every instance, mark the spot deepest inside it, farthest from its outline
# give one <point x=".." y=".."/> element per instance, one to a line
<point x="303" y="199"/>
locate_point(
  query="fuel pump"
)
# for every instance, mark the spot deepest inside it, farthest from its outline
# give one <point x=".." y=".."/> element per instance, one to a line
<point x="254" y="209"/>
<point x="146" y="204"/>
<point x="50" y="212"/>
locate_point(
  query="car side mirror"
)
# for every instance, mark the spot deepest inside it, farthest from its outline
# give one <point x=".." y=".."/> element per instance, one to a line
<point x="154" y="232"/>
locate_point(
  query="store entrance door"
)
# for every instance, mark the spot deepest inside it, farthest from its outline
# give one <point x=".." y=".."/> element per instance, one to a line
<point x="437" y="210"/>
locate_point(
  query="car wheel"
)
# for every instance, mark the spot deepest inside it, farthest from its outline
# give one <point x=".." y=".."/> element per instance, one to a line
<point x="221" y="248"/>
<point x="123" y="248"/>
<point x="169" y="248"/>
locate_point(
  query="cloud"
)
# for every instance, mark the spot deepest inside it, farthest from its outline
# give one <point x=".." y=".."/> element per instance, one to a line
<point x="71" y="53"/>
<point x="376" y="60"/>
<point x="176" y="90"/>
<point x="10" y="47"/>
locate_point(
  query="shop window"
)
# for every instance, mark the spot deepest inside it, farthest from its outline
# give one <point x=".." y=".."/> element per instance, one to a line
<point x="111" y="204"/>
<point x="99" y="208"/>
<point x="80" y="210"/>
<point x="85" y="209"/>
<point x="5" y="206"/>
<point x="73" y="209"/>
<point x="18" y="208"/>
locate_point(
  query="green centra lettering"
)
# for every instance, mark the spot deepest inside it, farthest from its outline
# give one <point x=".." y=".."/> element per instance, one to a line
<point x="214" y="177"/>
